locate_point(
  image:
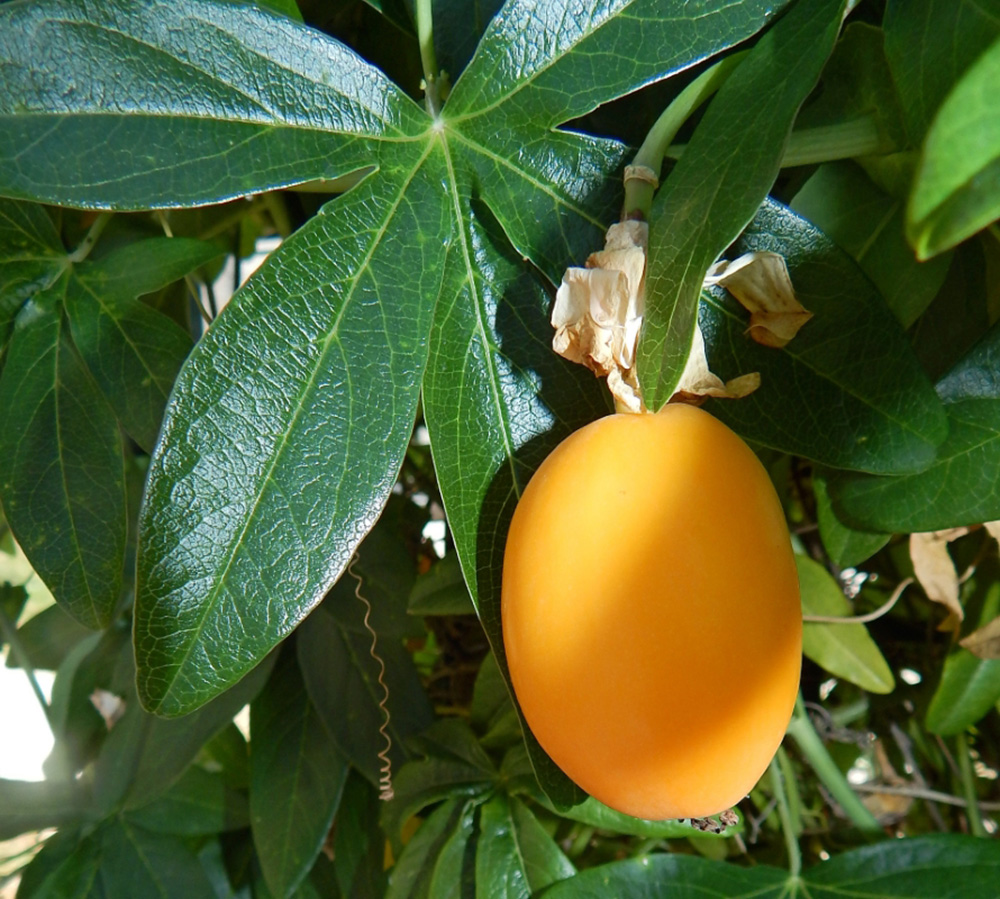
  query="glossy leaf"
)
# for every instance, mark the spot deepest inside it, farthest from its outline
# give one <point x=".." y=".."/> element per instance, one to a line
<point x="957" y="186"/>
<point x="868" y="224"/>
<point x="62" y="464"/>
<point x="968" y="690"/>
<point x="431" y="864"/>
<point x="133" y="351"/>
<point x="720" y="181"/>
<point x="962" y="486"/>
<point x="843" y="650"/>
<point x="515" y="855"/>
<point x="285" y="434"/>
<point x="857" y="83"/>
<point x="31" y="257"/>
<point x="199" y="803"/>
<point x="297" y="776"/>
<point x="244" y="101"/>
<point x="454" y="765"/>
<point x="845" y="546"/>
<point x="928" y="44"/>
<point x="916" y="868"/>
<point x="497" y="400"/>
<point x="597" y="814"/>
<point x="851" y="363"/>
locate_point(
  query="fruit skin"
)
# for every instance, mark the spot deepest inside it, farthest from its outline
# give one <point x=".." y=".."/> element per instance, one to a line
<point x="651" y="614"/>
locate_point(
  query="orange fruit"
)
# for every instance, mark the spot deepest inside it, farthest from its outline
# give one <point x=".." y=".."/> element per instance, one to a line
<point x="651" y="614"/>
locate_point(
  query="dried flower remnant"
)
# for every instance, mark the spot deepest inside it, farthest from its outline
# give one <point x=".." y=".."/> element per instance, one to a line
<point x="762" y="285"/>
<point x="936" y="572"/>
<point x="598" y="311"/>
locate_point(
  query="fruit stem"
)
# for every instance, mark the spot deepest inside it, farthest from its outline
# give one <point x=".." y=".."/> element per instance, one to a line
<point x="785" y="814"/>
<point x="428" y="59"/>
<point x="639" y="190"/>
<point x="801" y="729"/>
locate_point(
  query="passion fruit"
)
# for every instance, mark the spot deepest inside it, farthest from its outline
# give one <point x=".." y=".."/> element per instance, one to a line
<point x="651" y="614"/>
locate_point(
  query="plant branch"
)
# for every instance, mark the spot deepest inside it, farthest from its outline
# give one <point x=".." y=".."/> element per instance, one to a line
<point x="13" y="638"/>
<point x="90" y="239"/>
<point x="639" y="190"/>
<point x="969" y="788"/>
<point x="428" y="59"/>
<point x="918" y="792"/>
<point x="811" y="746"/>
<point x="784" y="813"/>
<point x="826" y="143"/>
<point x="883" y="609"/>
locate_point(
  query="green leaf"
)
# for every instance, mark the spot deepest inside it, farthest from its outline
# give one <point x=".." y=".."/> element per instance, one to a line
<point x="358" y="841"/>
<point x="62" y="464"/>
<point x="136" y="862"/>
<point x="47" y="637"/>
<point x="851" y="363"/>
<point x="31" y="257"/>
<point x="963" y="485"/>
<point x="441" y="590"/>
<point x="725" y="173"/>
<point x="497" y="400"/>
<point x="297" y="776"/>
<point x="305" y="399"/>
<point x="514" y="854"/>
<point x="845" y="546"/>
<point x="868" y="224"/>
<point x="29" y="805"/>
<point x="431" y="864"/>
<point x="199" y="803"/>
<point x="597" y="814"/>
<point x="856" y="82"/>
<point x="957" y="187"/>
<point x="144" y="756"/>
<point x="915" y="868"/>
<point x="244" y="101"/>
<point x="454" y="765"/>
<point x="929" y="44"/>
<point x="343" y="679"/>
<point x="133" y="351"/>
<point x="968" y="690"/>
<point x="843" y="650"/>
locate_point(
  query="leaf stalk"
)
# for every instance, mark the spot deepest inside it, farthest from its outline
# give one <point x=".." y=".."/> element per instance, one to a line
<point x="13" y="639"/>
<point x="639" y="192"/>
<point x="428" y="59"/>
<point x="785" y="814"/>
<point x="801" y="730"/>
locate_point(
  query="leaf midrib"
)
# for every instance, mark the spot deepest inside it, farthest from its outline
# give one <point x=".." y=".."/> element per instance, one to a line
<point x="212" y="599"/>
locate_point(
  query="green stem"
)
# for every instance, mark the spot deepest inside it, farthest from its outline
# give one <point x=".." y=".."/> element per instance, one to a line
<point x="785" y="814"/>
<point x="811" y="746"/>
<point x="90" y="240"/>
<point x="826" y="143"/>
<point x="428" y="59"/>
<point x="638" y="193"/>
<point x="13" y="638"/>
<point x="969" y="788"/>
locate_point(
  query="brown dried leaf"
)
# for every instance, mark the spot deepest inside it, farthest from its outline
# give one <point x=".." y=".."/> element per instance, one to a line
<point x="698" y="383"/>
<point x="936" y="572"/>
<point x="984" y="642"/>
<point x="761" y="283"/>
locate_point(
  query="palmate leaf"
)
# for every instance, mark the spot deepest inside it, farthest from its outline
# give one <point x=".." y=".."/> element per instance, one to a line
<point x="919" y="868"/>
<point x="289" y="421"/>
